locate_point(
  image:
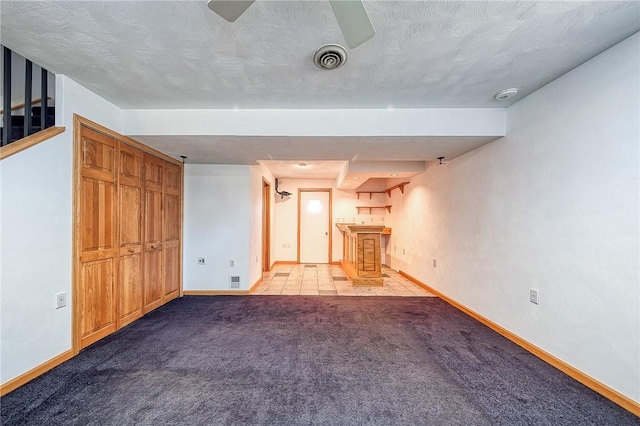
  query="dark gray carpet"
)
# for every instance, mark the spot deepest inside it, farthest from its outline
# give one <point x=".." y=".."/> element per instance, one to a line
<point x="276" y="360"/>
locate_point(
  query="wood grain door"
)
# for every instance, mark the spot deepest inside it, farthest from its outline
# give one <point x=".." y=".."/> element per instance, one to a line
<point x="152" y="246"/>
<point x="172" y="226"/>
<point x="130" y="161"/>
<point x="96" y="289"/>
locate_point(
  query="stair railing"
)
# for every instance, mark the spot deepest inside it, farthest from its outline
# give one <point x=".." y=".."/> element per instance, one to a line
<point x="23" y="105"/>
<point x="28" y="128"/>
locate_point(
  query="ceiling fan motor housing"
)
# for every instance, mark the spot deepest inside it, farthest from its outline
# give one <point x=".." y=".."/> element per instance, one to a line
<point x="330" y="56"/>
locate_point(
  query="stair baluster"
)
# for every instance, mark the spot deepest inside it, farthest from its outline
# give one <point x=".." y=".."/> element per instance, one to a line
<point x="43" y="95"/>
<point x="28" y="92"/>
<point x="6" y="100"/>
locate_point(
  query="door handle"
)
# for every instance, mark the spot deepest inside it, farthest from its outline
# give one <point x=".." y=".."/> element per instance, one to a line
<point x="131" y="250"/>
<point x="326" y="233"/>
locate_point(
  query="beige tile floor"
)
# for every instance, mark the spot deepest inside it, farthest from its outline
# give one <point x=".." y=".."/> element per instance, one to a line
<point x="330" y="280"/>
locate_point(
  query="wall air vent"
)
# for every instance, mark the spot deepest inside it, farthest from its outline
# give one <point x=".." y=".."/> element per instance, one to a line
<point x="234" y="282"/>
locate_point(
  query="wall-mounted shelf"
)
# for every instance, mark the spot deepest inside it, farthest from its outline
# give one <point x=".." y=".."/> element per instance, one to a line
<point x="369" y="192"/>
<point x="399" y="186"/>
<point x="373" y="207"/>
<point x="387" y="191"/>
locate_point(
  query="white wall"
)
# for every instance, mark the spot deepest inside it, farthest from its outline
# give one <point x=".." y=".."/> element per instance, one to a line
<point x="72" y="98"/>
<point x="217" y="213"/>
<point x="223" y="221"/>
<point x="35" y="229"/>
<point x="256" y="174"/>
<point x="344" y="204"/>
<point x="553" y="206"/>
<point x="36" y="237"/>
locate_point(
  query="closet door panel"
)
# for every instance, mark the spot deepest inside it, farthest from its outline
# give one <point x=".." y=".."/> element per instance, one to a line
<point x="130" y="216"/>
<point x="153" y="172"/>
<point x="173" y="181"/>
<point x="98" y="155"/>
<point x="96" y="237"/>
<point x="171" y="271"/>
<point x="152" y="279"/>
<point x="153" y="217"/>
<point x="131" y="238"/>
<point x="153" y="232"/>
<point x="172" y="219"/>
<point x="97" y="212"/>
<point x="130" y="283"/>
<point x="97" y="300"/>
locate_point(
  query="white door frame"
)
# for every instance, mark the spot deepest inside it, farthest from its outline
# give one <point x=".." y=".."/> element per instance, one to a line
<point x="266" y="225"/>
<point x="329" y="190"/>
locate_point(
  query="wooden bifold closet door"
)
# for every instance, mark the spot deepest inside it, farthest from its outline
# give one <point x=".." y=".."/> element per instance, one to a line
<point x="130" y="202"/>
<point x="97" y="237"/>
<point x="153" y="277"/>
<point x="172" y="220"/>
<point x="128" y="218"/>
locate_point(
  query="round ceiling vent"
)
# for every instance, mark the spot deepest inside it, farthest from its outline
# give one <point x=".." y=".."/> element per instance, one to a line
<point x="506" y="94"/>
<point x="330" y="56"/>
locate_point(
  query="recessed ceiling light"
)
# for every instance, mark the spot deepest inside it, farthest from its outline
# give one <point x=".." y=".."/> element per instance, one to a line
<point x="356" y="178"/>
<point x="394" y="174"/>
<point x="506" y="94"/>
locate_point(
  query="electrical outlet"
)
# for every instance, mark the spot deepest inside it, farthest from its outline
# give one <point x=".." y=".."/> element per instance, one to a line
<point x="435" y="263"/>
<point x="533" y="296"/>
<point x="61" y="300"/>
<point x="402" y="251"/>
<point x="232" y="263"/>
<point x="201" y="261"/>
<point x="395" y="249"/>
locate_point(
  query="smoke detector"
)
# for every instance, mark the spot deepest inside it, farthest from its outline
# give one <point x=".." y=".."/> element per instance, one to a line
<point x="506" y="94"/>
<point x="330" y="56"/>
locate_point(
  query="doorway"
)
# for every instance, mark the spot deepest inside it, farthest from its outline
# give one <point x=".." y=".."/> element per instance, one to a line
<point x="266" y="225"/>
<point x="314" y="225"/>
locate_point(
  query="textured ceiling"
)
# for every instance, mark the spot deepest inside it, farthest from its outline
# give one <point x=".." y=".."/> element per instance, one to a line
<point x="167" y="54"/>
<point x="426" y="54"/>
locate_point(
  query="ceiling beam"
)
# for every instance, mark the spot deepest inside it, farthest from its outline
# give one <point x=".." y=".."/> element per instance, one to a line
<point x="317" y="122"/>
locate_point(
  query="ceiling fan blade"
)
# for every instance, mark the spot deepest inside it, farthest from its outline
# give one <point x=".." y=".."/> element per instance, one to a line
<point x="229" y="9"/>
<point x="353" y="20"/>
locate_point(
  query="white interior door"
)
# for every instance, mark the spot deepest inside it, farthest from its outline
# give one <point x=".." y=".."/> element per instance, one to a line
<point x="314" y="227"/>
